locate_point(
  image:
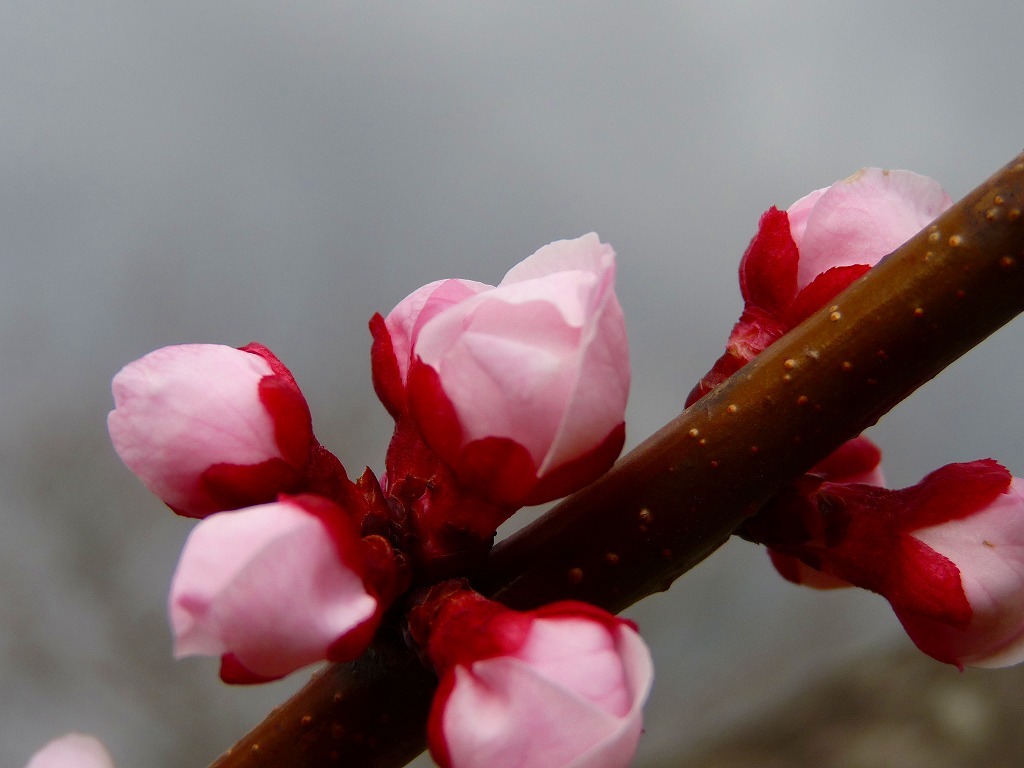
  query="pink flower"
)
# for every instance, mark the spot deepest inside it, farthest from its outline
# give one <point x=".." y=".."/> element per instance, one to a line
<point x="273" y="588"/>
<point x="75" y="750"/>
<point x="948" y="554"/>
<point x="801" y="258"/>
<point x="520" y="388"/>
<point x="208" y="427"/>
<point x="562" y="685"/>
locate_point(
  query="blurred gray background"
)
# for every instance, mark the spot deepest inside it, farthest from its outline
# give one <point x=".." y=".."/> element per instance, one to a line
<point x="236" y="171"/>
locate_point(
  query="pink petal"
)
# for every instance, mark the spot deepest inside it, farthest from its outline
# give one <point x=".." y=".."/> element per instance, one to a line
<point x="800" y="211"/>
<point x="861" y="219"/>
<point x="600" y="390"/>
<point x="405" y="321"/>
<point x="514" y="712"/>
<point x="580" y="656"/>
<point x="508" y="370"/>
<point x="180" y="410"/>
<point x="268" y="585"/>
<point x="75" y="750"/>
<point x="582" y="254"/>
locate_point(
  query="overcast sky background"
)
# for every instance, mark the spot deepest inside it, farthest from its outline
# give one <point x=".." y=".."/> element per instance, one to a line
<point x="236" y="171"/>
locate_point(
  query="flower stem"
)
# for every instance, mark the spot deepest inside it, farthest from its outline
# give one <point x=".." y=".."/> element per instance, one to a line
<point x="678" y="496"/>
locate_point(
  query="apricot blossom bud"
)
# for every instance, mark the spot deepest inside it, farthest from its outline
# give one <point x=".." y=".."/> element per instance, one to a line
<point x="520" y="388"/>
<point x="558" y="686"/>
<point x="207" y="427"/>
<point x="947" y="553"/>
<point x="273" y="588"/>
<point x="800" y="259"/>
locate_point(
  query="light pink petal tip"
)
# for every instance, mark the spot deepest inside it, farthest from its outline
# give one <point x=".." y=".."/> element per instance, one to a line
<point x="75" y="750"/>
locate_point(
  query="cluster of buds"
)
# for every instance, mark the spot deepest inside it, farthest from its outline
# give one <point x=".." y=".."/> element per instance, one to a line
<point x="514" y="394"/>
<point x="276" y="575"/>
<point x="502" y="396"/>
<point x="946" y="553"/>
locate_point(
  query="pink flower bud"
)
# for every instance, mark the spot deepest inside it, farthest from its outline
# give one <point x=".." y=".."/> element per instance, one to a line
<point x="947" y="553"/>
<point x="75" y="750"/>
<point x="987" y="548"/>
<point x="861" y="219"/>
<point x="208" y="427"/>
<point x="273" y="588"/>
<point x="563" y="685"/>
<point x="800" y="259"/>
<point x="520" y="388"/>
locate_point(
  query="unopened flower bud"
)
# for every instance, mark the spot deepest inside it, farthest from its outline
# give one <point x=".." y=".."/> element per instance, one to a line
<point x="208" y="427"/>
<point x="563" y="685"/>
<point x="273" y="588"/>
<point x="520" y="388"/>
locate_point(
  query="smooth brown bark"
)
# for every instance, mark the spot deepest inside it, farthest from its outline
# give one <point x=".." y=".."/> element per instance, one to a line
<point x="677" y="497"/>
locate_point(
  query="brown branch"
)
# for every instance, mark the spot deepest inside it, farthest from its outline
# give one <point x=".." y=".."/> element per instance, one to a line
<point x="677" y="497"/>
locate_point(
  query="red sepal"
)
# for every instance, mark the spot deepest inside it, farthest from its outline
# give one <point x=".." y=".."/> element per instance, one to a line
<point x="921" y="629"/>
<point x="581" y="471"/>
<point x="281" y="396"/>
<point x="723" y="368"/>
<point x="234" y="486"/>
<point x="926" y="583"/>
<point x="821" y="290"/>
<point x="953" y="492"/>
<point x="497" y="468"/>
<point x="233" y="672"/>
<point x="768" y="268"/>
<point x="434" y="412"/>
<point x="293" y="425"/>
<point x="793" y="569"/>
<point x="468" y="627"/>
<point x="352" y="644"/>
<point x="324" y="475"/>
<point x="321" y="471"/>
<point x="387" y="568"/>
<point x="853" y="458"/>
<point x="865" y="535"/>
<point x="445" y="527"/>
<point x="752" y="334"/>
<point x="387" y="378"/>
